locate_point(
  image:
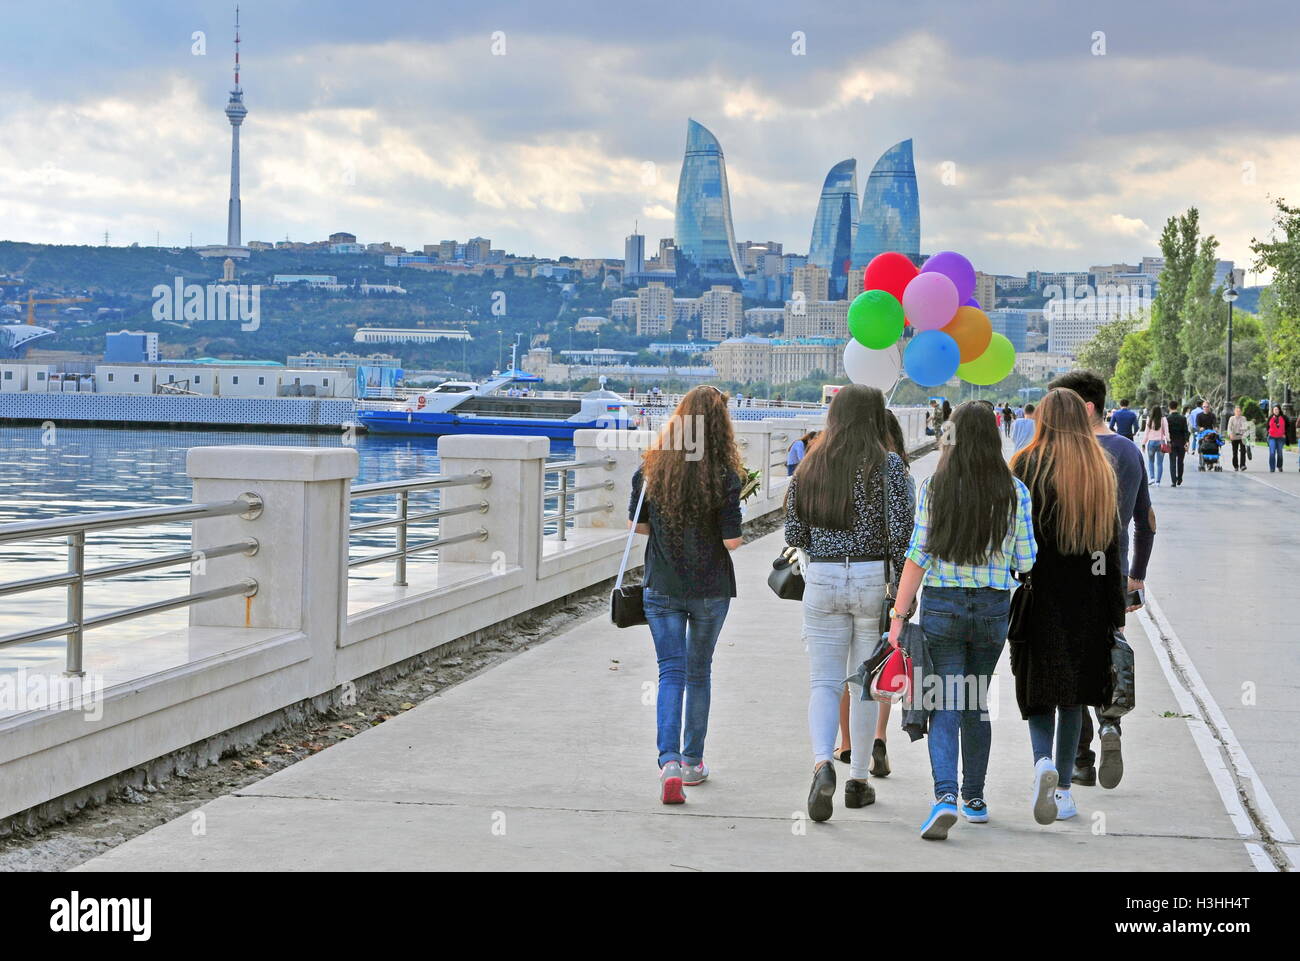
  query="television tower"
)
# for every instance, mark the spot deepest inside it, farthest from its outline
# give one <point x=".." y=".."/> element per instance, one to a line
<point x="235" y="113"/>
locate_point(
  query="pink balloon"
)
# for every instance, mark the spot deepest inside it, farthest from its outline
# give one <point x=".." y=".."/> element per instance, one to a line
<point x="930" y="301"/>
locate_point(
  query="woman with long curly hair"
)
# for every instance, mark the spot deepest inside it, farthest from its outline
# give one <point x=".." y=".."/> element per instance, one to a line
<point x="692" y="474"/>
<point x="1061" y="659"/>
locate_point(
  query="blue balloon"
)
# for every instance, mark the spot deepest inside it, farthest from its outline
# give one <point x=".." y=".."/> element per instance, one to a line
<point x="931" y="358"/>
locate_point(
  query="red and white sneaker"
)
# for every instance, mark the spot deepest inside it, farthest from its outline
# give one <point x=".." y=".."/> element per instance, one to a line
<point x="670" y="783"/>
<point x="693" y="774"/>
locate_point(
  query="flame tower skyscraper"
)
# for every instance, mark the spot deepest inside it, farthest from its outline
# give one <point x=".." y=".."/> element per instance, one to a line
<point x="235" y="113"/>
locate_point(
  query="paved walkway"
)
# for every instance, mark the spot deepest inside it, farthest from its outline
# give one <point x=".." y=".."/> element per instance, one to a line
<point x="547" y="762"/>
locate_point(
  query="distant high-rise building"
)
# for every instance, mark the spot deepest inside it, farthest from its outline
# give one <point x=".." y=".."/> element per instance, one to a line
<point x="812" y="282"/>
<point x="986" y="291"/>
<point x="654" y="309"/>
<point x="633" y="257"/>
<point x="890" y="218"/>
<point x="706" y="241"/>
<point x="722" y="313"/>
<point x="477" y="248"/>
<point x="235" y="113"/>
<point x="836" y="224"/>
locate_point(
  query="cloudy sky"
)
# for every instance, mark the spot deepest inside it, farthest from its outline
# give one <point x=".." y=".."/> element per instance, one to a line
<point x="1047" y="135"/>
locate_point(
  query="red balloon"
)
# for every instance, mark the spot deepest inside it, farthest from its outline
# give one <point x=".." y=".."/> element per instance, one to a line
<point x="890" y="271"/>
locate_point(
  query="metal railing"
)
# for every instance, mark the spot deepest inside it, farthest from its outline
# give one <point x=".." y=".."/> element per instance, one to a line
<point x="403" y="519"/>
<point x="562" y="492"/>
<point x="248" y="506"/>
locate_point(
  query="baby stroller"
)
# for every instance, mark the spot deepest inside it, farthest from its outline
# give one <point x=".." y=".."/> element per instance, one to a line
<point x="1208" y="444"/>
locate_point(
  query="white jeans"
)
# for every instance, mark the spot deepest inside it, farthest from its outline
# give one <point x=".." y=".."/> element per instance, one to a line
<point x="841" y="626"/>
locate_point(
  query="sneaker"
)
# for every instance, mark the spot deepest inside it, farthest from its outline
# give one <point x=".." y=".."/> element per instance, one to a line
<point x="1111" y="770"/>
<point x="879" y="759"/>
<point x="822" y="792"/>
<point x="670" y="783"/>
<point x="858" y="794"/>
<point x="1044" y="785"/>
<point x="1065" y="806"/>
<point x="942" y="816"/>
<point x="975" y="810"/>
<point x="693" y="774"/>
<point x="1085" y="776"/>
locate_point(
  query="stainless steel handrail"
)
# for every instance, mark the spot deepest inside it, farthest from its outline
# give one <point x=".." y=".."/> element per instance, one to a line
<point x="249" y="506"/>
<point x="403" y="519"/>
<point x="564" y="490"/>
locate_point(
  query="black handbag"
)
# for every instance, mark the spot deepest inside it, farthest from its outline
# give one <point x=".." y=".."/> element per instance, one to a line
<point x="1121" y="692"/>
<point x="627" y="604"/>
<point x="1022" y="602"/>
<point x="785" y="580"/>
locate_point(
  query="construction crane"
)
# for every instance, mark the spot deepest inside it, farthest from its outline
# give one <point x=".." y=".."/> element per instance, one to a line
<point x="33" y="302"/>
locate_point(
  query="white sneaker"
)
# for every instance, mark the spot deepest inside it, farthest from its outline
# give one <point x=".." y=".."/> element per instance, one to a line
<point x="1045" y="779"/>
<point x="1065" y="806"/>
<point x="693" y="774"/>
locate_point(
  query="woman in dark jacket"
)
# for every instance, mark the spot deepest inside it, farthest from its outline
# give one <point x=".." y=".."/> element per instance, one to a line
<point x="1061" y="659"/>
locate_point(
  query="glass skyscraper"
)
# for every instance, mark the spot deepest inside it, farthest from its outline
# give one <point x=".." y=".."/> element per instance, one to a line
<point x="891" y="211"/>
<point x="836" y="224"/>
<point x="706" y="242"/>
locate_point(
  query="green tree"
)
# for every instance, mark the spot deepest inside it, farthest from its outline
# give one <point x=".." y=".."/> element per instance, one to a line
<point x="1280" y="306"/>
<point x="1132" y="371"/>
<point x="1179" y="246"/>
<point x="1101" y="354"/>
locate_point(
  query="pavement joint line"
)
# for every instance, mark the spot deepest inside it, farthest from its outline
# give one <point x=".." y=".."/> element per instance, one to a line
<point x="1259" y="480"/>
<point x="1244" y="795"/>
<point x="680" y="813"/>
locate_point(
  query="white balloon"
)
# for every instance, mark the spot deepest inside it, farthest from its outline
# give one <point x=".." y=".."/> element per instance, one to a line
<point x="874" y="368"/>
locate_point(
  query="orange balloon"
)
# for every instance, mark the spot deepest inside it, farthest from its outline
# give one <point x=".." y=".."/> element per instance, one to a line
<point x="972" y="331"/>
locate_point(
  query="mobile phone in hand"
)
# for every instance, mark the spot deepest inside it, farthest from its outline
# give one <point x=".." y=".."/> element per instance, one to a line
<point x="1137" y="598"/>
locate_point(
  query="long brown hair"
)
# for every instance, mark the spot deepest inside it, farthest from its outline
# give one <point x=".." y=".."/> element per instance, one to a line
<point x="894" y="441"/>
<point x="854" y="440"/>
<point x="687" y="464"/>
<point x="972" y="497"/>
<point x="1066" y="459"/>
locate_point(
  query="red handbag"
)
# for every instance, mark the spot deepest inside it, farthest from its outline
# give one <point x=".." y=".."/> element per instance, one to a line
<point x="890" y="681"/>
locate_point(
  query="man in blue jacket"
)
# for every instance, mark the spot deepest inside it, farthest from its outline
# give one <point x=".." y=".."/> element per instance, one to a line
<point x="1123" y="421"/>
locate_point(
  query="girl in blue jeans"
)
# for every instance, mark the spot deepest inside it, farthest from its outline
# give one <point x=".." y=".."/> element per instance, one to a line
<point x="973" y="528"/>
<point x="692" y="476"/>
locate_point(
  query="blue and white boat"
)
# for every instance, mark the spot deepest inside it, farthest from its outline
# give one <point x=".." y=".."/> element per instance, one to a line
<point x="465" y="407"/>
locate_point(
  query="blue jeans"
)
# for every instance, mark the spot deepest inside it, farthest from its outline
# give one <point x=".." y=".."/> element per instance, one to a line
<point x="965" y="630"/>
<point x="685" y="631"/>
<point x="1275" y="448"/>
<point x="1155" y="461"/>
<point x="1065" y="721"/>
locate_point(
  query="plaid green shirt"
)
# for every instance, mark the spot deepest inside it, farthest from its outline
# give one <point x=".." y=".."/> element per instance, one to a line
<point x="1017" y="551"/>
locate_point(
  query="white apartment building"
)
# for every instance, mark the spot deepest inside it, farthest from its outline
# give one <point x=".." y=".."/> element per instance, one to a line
<point x="722" y="313"/>
<point x="820" y="318"/>
<point x="654" y="309"/>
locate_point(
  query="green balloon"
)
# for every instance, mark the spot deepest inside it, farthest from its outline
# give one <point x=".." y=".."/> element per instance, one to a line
<point x="876" y="319"/>
<point x="991" y="366"/>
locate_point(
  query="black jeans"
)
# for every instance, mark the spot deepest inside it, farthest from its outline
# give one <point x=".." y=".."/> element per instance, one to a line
<point x="1176" y="454"/>
<point x="1086" y="757"/>
<point x="1238" y="453"/>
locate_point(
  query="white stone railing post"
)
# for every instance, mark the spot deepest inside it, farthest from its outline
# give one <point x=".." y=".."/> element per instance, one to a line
<point x="514" y="496"/>
<point x="625" y="446"/>
<point x="301" y="565"/>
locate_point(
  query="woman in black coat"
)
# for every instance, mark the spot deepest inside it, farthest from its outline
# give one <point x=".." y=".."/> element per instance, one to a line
<point x="1061" y="653"/>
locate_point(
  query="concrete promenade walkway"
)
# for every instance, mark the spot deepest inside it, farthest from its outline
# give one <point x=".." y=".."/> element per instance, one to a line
<point x="547" y="762"/>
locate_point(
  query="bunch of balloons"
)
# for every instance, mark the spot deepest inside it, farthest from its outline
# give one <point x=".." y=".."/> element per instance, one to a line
<point x="951" y="334"/>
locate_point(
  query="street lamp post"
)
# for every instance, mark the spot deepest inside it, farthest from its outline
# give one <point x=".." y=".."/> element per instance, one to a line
<point x="1230" y="295"/>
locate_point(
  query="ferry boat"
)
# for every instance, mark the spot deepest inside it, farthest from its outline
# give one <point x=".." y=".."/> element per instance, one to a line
<point x="465" y="407"/>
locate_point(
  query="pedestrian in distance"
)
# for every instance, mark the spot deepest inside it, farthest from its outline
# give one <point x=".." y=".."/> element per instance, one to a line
<point x="973" y="528"/>
<point x="1022" y="432"/>
<point x="1061" y="658"/>
<point x="691" y="513"/>
<point x="848" y="507"/>
<point x="1240" y="432"/>
<point x="798" y="450"/>
<point x="1179" y="435"/>
<point x="1124" y="421"/>
<point x="1276" y="438"/>
<point x="1155" y="438"/>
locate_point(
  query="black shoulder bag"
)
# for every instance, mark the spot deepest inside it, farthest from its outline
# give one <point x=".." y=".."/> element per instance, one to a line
<point x="1022" y="606"/>
<point x="887" y="601"/>
<point x="627" y="604"/>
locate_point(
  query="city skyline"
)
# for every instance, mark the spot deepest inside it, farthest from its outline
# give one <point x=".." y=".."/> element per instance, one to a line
<point x="366" y="127"/>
